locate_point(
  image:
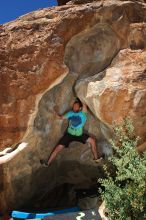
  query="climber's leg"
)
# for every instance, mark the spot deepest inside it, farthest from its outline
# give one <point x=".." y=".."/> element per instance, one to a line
<point x="95" y="153"/>
<point x="54" y="153"/>
<point x="63" y="143"/>
<point x="91" y="141"/>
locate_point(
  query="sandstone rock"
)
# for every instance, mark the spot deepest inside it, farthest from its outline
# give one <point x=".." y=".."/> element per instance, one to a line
<point x="142" y="147"/>
<point x="137" y="36"/>
<point x="71" y="166"/>
<point x="120" y="93"/>
<point x="92" y="50"/>
<point x="37" y="76"/>
<point x="37" y="42"/>
<point x="63" y="2"/>
<point x="26" y="176"/>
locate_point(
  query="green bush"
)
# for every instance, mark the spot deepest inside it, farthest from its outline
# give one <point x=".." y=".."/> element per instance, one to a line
<point x="125" y="191"/>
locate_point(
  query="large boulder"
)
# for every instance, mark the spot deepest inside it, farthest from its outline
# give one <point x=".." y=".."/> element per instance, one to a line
<point x="92" y="50"/>
<point x="33" y="48"/>
<point x="120" y="92"/>
<point x="42" y="56"/>
<point x="32" y="52"/>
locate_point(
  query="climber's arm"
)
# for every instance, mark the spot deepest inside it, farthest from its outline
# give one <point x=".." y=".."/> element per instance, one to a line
<point x="65" y="116"/>
<point x="62" y="117"/>
<point x="84" y="108"/>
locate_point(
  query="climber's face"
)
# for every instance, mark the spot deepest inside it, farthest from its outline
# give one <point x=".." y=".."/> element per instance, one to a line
<point x="76" y="107"/>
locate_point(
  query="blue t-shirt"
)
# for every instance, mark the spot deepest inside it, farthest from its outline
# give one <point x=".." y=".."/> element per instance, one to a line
<point x="77" y="121"/>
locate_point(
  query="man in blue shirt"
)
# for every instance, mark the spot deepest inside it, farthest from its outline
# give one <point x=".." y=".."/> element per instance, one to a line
<point x="77" y="118"/>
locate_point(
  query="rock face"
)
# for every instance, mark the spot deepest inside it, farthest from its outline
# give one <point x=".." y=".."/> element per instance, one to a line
<point x="121" y="92"/>
<point x="63" y="2"/>
<point x="95" y="51"/>
<point x="92" y="50"/>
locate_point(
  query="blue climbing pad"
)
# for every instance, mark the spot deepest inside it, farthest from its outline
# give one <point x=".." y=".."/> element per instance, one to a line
<point x="27" y="215"/>
<point x="91" y="214"/>
<point x="66" y="214"/>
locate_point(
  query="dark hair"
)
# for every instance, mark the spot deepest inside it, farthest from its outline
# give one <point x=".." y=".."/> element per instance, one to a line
<point x="77" y="101"/>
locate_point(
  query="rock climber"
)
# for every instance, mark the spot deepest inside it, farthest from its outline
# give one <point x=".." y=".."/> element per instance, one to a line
<point x="77" y="118"/>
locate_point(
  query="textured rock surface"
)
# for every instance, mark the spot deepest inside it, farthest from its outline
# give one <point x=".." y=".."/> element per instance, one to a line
<point x="121" y="92"/>
<point x="137" y="37"/>
<point x="32" y="52"/>
<point x="63" y="46"/>
<point x="92" y="50"/>
<point x="63" y="2"/>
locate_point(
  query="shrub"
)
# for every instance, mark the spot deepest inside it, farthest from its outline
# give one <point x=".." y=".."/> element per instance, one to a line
<point x="125" y="192"/>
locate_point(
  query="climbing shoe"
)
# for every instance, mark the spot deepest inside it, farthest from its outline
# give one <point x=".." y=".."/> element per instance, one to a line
<point x="98" y="160"/>
<point x="44" y="162"/>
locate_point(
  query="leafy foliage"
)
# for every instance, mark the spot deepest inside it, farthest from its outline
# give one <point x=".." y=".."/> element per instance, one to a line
<point x="125" y="193"/>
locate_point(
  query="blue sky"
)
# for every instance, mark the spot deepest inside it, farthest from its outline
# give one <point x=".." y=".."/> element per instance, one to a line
<point x="11" y="9"/>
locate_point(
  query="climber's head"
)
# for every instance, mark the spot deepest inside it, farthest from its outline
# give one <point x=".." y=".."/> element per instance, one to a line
<point x="77" y="105"/>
